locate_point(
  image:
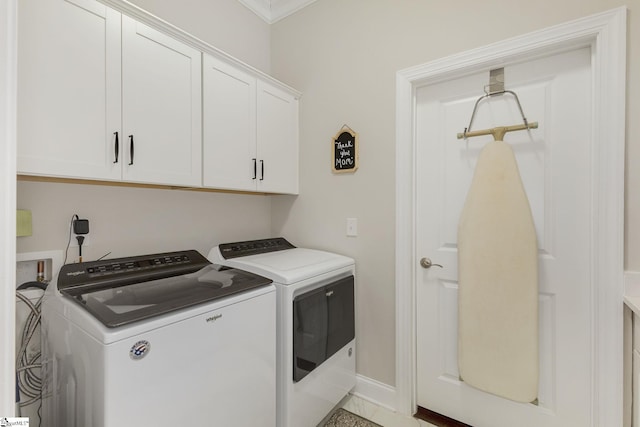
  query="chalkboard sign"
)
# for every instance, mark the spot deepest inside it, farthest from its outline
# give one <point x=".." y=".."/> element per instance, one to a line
<point x="345" y="151"/>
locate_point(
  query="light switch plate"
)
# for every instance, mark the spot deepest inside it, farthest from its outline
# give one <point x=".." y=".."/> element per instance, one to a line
<point x="352" y="227"/>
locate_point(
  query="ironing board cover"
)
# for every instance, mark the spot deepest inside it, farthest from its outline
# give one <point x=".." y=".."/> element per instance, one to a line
<point x="498" y="281"/>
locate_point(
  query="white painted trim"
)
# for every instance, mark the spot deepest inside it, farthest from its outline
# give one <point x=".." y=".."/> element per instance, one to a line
<point x="274" y="10"/>
<point x="283" y="8"/>
<point x="262" y="8"/>
<point x="606" y="32"/>
<point x="375" y="392"/>
<point x="405" y="247"/>
<point x="8" y="83"/>
<point x="141" y="15"/>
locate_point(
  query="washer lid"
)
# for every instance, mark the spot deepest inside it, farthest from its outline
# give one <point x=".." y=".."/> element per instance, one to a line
<point x="286" y="266"/>
<point x="118" y="306"/>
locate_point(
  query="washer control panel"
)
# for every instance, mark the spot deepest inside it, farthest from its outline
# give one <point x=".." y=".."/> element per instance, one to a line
<point x="131" y="269"/>
<point x="141" y="264"/>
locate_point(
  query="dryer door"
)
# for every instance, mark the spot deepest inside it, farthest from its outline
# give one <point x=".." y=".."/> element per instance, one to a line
<point x="323" y="323"/>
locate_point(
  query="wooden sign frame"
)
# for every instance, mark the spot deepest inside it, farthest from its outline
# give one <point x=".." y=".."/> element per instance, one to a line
<point x="344" y="151"/>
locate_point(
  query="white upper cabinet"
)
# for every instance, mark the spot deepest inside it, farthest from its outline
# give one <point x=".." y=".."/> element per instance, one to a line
<point x="68" y="88"/>
<point x="277" y="140"/>
<point x="161" y="113"/>
<point x="229" y="127"/>
<point x="83" y="112"/>
<point x="250" y="132"/>
<point x="104" y="96"/>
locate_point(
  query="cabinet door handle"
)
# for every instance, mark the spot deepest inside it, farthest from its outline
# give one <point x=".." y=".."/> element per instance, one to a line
<point x="117" y="148"/>
<point x="261" y="170"/>
<point x="255" y="169"/>
<point x="131" y="150"/>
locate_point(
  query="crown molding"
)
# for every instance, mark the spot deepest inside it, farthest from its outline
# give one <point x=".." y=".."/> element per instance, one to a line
<point x="271" y="11"/>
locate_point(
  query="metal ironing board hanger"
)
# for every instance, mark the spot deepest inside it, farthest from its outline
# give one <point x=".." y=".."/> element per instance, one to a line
<point x="497" y="132"/>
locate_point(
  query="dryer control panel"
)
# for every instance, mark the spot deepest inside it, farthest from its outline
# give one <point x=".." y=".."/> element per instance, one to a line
<point x="253" y="247"/>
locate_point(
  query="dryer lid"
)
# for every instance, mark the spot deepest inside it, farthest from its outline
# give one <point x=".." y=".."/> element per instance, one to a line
<point x="286" y="266"/>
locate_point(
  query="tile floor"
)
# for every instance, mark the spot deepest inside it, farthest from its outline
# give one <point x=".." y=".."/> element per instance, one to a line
<point x="380" y="415"/>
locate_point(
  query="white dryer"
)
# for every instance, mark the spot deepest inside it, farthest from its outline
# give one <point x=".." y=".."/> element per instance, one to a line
<point x="158" y="340"/>
<point x="316" y="340"/>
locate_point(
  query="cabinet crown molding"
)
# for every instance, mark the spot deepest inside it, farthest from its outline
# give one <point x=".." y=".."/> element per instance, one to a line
<point x="155" y="22"/>
<point x="271" y="11"/>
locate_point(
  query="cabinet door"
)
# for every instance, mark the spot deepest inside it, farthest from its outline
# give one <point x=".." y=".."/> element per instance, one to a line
<point x="68" y="89"/>
<point x="161" y="102"/>
<point x="277" y="140"/>
<point x="229" y="127"/>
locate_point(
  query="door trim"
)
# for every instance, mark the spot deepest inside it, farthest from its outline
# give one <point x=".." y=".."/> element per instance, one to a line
<point x="8" y="124"/>
<point x="606" y="34"/>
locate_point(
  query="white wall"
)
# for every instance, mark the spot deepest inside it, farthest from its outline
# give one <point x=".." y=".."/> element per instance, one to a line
<point x="343" y="56"/>
<point x="226" y="24"/>
<point x="134" y="221"/>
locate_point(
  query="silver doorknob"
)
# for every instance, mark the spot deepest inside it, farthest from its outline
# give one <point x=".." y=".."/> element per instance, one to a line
<point x="426" y="263"/>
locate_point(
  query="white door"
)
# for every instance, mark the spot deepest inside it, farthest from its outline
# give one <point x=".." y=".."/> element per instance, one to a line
<point x="229" y="127"/>
<point x="161" y="104"/>
<point x="68" y="89"/>
<point x="277" y="140"/>
<point x="554" y="163"/>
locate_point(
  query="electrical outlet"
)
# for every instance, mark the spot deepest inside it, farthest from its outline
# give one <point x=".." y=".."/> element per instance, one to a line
<point x="74" y="241"/>
<point x="352" y="227"/>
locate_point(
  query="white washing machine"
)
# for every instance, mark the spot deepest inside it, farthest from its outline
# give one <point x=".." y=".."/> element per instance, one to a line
<point x="158" y="340"/>
<point x="316" y="340"/>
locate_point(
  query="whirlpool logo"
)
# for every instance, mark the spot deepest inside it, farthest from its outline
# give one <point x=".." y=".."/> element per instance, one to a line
<point x="213" y="318"/>
<point x="139" y="350"/>
<point x="71" y="273"/>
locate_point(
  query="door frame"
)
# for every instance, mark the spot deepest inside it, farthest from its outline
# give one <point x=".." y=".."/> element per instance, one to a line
<point x="8" y="97"/>
<point x="606" y="34"/>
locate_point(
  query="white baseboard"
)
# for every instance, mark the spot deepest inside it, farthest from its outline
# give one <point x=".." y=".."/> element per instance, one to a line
<point x="375" y="392"/>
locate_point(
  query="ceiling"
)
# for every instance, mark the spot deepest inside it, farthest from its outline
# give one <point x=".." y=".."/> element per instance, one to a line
<point x="274" y="10"/>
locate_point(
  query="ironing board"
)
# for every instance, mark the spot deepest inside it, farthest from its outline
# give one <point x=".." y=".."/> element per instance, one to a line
<point x="498" y="280"/>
